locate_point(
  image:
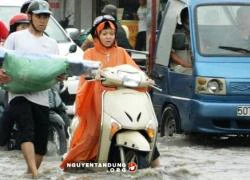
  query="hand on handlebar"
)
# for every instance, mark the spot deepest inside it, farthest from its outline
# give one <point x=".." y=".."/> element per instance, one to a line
<point x="153" y="85"/>
<point x="151" y="81"/>
<point x="94" y="75"/>
<point x="97" y="74"/>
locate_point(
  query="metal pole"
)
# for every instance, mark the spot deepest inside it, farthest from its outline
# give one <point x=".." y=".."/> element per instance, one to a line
<point x="152" y="39"/>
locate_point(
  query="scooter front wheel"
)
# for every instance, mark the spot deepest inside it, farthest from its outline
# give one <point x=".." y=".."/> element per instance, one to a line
<point x="133" y="156"/>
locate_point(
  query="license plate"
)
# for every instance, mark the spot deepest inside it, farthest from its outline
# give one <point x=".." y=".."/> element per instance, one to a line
<point x="243" y="111"/>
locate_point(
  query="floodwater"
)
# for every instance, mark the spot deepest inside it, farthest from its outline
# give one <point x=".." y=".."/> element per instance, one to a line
<point x="182" y="157"/>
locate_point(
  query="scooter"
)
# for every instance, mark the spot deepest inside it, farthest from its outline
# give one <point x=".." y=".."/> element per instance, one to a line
<point x="128" y="121"/>
<point x="68" y="92"/>
<point x="58" y="125"/>
<point x="69" y="86"/>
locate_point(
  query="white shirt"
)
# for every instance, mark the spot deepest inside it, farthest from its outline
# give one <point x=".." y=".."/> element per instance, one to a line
<point x="25" y="41"/>
<point x="142" y="15"/>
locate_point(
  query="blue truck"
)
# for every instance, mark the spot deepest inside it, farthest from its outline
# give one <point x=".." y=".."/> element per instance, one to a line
<point x="212" y="97"/>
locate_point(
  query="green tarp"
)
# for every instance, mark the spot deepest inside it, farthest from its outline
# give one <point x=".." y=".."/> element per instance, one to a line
<point x="32" y="72"/>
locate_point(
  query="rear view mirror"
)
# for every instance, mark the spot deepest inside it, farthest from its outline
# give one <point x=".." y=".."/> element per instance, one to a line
<point x="73" y="33"/>
<point x="72" y="48"/>
<point x="178" y="41"/>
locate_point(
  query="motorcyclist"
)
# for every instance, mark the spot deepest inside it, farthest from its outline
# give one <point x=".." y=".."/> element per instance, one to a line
<point x="85" y="141"/>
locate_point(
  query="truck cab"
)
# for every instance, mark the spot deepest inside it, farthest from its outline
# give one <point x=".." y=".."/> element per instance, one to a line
<point x="212" y="97"/>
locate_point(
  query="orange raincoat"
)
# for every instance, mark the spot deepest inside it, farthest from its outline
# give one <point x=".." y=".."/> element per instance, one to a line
<point x="84" y="145"/>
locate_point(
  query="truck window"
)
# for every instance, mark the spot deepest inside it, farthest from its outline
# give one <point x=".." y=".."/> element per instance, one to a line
<point x="223" y="30"/>
<point x="180" y="59"/>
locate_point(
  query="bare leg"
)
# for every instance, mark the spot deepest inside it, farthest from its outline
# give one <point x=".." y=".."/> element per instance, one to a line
<point x="155" y="163"/>
<point x="29" y="155"/>
<point x="39" y="159"/>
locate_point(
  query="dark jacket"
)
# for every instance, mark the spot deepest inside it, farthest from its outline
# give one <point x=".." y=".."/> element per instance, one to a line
<point x="121" y="37"/>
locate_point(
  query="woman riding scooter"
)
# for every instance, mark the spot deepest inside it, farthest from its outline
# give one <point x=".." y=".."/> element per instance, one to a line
<point x="84" y="144"/>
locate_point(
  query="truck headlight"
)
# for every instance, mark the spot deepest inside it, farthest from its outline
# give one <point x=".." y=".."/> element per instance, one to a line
<point x="213" y="86"/>
<point x="207" y="85"/>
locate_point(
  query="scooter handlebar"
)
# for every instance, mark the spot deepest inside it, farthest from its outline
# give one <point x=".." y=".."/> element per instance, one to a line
<point x="111" y="77"/>
<point x="150" y="83"/>
<point x="155" y="87"/>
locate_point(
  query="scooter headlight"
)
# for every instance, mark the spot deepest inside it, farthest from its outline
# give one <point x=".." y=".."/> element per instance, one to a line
<point x="129" y="79"/>
<point x="206" y="85"/>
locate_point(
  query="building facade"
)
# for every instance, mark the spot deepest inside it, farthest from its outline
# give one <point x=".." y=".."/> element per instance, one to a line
<point x="81" y="13"/>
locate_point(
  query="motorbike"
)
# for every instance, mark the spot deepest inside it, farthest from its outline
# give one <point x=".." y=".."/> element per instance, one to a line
<point x="69" y="86"/>
<point x="58" y="118"/>
<point x="58" y="125"/>
<point x="128" y="122"/>
<point x="68" y="92"/>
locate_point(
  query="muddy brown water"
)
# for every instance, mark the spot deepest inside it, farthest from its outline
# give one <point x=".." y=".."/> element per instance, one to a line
<point x="182" y="157"/>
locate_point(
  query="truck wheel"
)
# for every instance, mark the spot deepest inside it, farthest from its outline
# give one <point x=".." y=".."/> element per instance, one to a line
<point x="169" y="121"/>
<point x="57" y="143"/>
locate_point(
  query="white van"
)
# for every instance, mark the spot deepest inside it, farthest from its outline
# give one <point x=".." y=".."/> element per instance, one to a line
<point x="9" y="8"/>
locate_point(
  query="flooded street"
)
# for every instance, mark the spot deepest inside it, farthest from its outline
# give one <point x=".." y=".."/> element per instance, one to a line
<point x="182" y="157"/>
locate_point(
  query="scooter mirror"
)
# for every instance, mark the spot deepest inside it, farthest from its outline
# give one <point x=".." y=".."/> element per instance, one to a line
<point x="73" y="33"/>
<point x="72" y="48"/>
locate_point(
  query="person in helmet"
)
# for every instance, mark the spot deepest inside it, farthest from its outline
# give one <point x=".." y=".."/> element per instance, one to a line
<point x="31" y="111"/>
<point x="25" y="6"/>
<point x="19" y="22"/>
<point x="84" y="144"/>
<point x="39" y="10"/>
<point x="121" y="35"/>
<point x="122" y="31"/>
<point x="3" y="33"/>
<point x="110" y="9"/>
